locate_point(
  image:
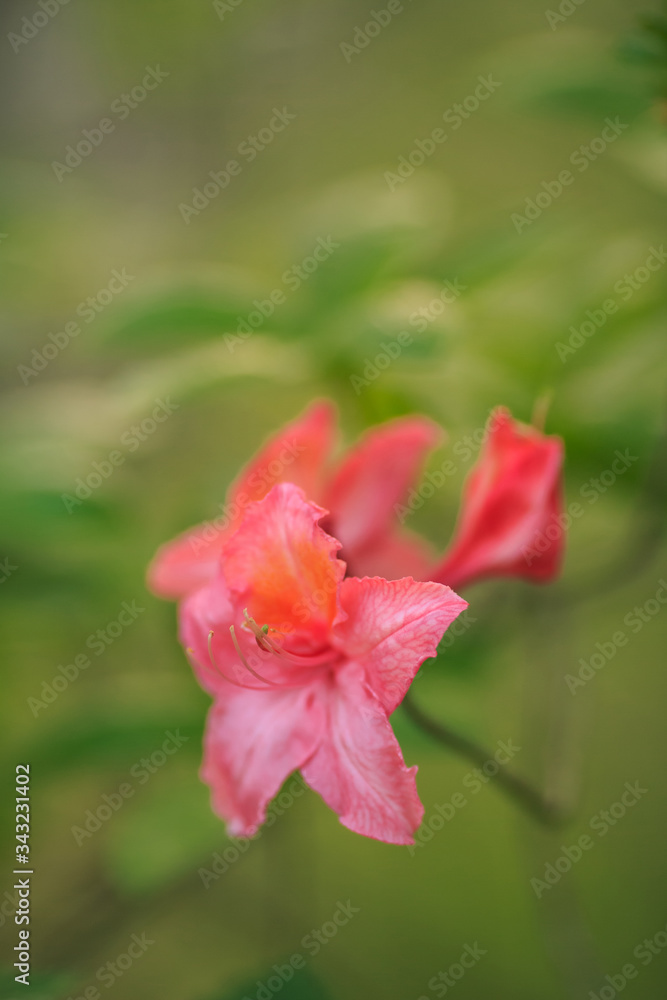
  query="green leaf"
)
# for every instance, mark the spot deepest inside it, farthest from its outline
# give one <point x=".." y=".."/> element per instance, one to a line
<point x="303" y="985"/>
<point x="176" y="318"/>
<point x="356" y="267"/>
<point x="594" y="99"/>
<point x="43" y="986"/>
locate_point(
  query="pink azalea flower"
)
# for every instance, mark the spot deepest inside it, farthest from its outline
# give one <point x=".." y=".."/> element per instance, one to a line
<point x="360" y="492"/>
<point x="305" y="666"/>
<point x="508" y="524"/>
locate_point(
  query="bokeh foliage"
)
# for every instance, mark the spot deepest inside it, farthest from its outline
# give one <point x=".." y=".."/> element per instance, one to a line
<point x="164" y="337"/>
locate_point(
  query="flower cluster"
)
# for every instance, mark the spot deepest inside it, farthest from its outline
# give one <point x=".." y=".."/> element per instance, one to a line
<point x="307" y="612"/>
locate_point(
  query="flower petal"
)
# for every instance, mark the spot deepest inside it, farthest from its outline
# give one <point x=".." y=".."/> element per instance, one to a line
<point x="358" y="768"/>
<point x="510" y="502"/>
<point x="209" y="610"/>
<point x="187" y="562"/>
<point x="376" y="474"/>
<point x="296" y="453"/>
<point x="253" y="741"/>
<point x="394" y="556"/>
<point x="392" y="627"/>
<point x="282" y="566"/>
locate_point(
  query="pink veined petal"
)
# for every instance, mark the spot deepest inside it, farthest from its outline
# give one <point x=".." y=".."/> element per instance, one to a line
<point x="253" y="742"/>
<point x="283" y="566"/>
<point x="297" y="453"/>
<point x="373" y="476"/>
<point x="392" y="627"/>
<point x="209" y="609"/>
<point x="204" y="625"/>
<point x="358" y="768"/>
<point x="510" y="499"/>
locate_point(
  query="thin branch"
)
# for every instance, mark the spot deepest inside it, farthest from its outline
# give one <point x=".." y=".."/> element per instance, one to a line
<point x="530" y="799"/>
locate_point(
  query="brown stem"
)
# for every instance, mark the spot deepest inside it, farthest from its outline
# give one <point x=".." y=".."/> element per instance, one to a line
<point x="529" y="798"/>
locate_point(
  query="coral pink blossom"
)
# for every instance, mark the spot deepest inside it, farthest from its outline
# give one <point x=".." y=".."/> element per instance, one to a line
<point x="305" y="666"/>
<point x="509" y="523"/>
<point x="360" y="492"/>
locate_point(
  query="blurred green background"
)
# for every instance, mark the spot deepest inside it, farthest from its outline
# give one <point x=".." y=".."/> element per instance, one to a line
<point x="161" y="335"/>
